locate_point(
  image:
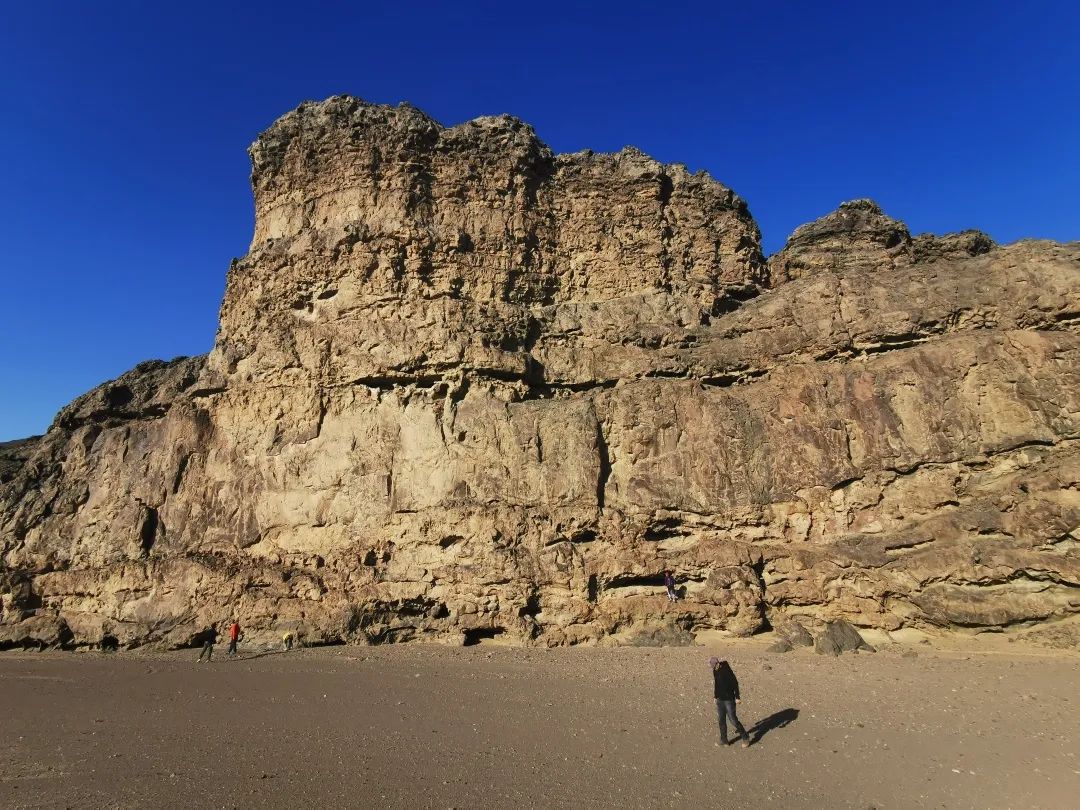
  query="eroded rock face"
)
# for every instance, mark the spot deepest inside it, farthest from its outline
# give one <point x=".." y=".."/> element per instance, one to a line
<point x="466" y="388"/>
<point x="859" y="236"/>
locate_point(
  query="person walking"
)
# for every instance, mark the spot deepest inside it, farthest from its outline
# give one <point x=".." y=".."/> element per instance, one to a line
<point x="286" y="641"/>
<point x="209" y="637"/>
<point x="726" y="694"/>
<point x="234" y="637"/>
<point x="669" y="583"/>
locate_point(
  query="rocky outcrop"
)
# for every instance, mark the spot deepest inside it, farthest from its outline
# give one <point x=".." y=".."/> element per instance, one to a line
<point x="13" y="455"/>
<point x="464" y="388"/>
<point x="859" y="236"/>
<point x="840" y="637"/>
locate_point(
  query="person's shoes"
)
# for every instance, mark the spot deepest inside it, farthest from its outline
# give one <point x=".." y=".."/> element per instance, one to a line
<point x="746" y="743"/>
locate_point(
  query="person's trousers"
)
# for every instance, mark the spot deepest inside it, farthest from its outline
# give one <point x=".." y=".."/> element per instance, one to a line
<point x="232" y="647"/>
<point x="725" y="710"/>
<point x="207" y="650"/>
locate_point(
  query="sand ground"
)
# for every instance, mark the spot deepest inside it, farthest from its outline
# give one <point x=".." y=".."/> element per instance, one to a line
<point x="428" y="726"/>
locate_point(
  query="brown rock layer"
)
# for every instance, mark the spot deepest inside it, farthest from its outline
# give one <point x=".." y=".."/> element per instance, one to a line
<point x="464" y="387"/>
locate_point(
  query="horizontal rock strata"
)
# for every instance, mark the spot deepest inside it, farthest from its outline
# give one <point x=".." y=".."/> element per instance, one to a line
<point x="464" y="388"/>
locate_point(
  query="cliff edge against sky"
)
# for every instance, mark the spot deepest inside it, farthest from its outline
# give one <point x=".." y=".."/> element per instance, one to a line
<point x="464" y="387"/>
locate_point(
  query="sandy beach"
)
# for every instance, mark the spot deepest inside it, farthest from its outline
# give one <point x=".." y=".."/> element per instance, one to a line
<point x="490" y="726"/>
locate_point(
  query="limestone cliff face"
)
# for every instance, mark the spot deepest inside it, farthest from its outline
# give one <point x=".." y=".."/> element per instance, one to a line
<point x="464" y="387"/>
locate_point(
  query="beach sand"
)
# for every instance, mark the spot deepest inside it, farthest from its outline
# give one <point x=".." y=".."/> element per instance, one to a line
<point x="419" y="726"/>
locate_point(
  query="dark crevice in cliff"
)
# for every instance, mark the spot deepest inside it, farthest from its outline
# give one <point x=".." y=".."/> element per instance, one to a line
<point x="181" y="468"/>
<point x="500" y="375"/>
<point x="548" y="390"/>
<point x="149" y="530"/>
<point x="926" y="333"/>
<point x="604" y="471"/>
<point x="758" y="567"/>
<point x="478" y="635"/>
<point x="905" y="546"/>
<point x="579" y="537"/>
<point x="634" y="581"/>
<point x="117" y="396"/>
<point x="665" y="529"/>
<point x="389" y="382"/>
<point x="592" y="588"/>
<point x="732" y="299"/>
<point x="889" y="343"/>
<point x="532" y="606"/>
<point x="321" y="417"/>
<point x="537" y="389"/>
<point x="199" y="393"/>
<point x="660" y="374"/>
<point x="667" y="262"/>
<point x="113" y="418"/>
<point x="841" y="484"/>
<point x="734" y="378"/>
<point x="1065" y="320"/>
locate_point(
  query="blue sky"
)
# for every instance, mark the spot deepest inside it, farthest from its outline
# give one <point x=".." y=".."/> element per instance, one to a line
<point x="124" y="127"/>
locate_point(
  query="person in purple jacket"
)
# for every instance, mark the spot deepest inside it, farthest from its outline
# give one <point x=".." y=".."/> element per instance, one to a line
<point x="669" y="583"/>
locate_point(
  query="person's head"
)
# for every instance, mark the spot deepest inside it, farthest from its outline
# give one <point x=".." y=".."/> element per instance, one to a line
<point x="717" y="663"/>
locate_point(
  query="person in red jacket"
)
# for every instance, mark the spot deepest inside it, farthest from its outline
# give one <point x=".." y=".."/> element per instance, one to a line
<point x="234" y="636"/>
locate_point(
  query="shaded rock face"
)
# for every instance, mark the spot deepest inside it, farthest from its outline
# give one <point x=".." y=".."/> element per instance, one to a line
<point x="13" y="455"/>
<point x="464" y="389"/>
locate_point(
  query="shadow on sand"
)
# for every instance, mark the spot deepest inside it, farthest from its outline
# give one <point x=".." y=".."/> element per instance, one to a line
<point x="776" y="720"/>
<point x="251" y="655"/>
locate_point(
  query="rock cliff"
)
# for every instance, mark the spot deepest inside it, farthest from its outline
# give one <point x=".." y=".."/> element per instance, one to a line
<point x="466" y="388"/>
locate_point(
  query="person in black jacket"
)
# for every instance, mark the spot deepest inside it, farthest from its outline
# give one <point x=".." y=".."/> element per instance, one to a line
<point x="726" y="693"/>
<point x="209" y="637"/>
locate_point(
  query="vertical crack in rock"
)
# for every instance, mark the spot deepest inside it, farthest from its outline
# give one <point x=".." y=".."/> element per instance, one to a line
<point x="150" y="527"/>
<point x="664" y="192"/>
<point x="604" y="467"/>
<point x="181" y="468"/>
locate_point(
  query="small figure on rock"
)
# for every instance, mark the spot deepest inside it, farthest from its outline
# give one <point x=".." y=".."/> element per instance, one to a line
<point x="669" y="583"/>
<point x="234" y="637"/>
<point x="286" y="641"/>
<point x="726" y="694"/>
<point x="209" y="638"/>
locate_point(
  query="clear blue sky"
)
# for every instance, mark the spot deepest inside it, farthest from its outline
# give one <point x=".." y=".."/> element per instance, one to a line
<point x="123" y="128"/>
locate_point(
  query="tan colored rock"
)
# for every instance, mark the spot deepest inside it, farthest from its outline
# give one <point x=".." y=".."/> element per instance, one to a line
<point x="466" y="389"/>
<point x="858" y="235"/>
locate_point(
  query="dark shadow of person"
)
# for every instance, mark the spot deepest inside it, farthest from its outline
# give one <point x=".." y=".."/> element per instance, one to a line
<point x="263" y="654"/>
<point x="776" y="720"/>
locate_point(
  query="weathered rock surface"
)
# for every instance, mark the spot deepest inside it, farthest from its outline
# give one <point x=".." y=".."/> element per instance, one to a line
<point x="840" y="637"/>
<point x="859" y="235"/>
<point x="464" y="388"/>
<point x="13" y="455"/>
<point x="794" y="634"/>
